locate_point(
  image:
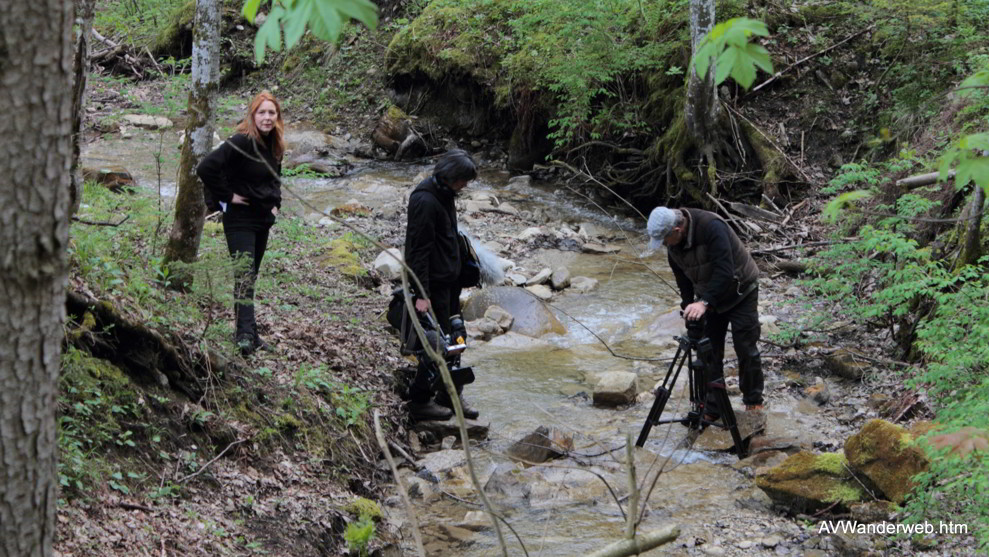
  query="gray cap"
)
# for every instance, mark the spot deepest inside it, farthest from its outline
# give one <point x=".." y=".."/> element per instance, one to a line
<point x="659" y="226"/>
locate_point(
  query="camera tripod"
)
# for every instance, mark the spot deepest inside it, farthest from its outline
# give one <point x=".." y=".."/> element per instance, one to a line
<point x="700" y="385"/>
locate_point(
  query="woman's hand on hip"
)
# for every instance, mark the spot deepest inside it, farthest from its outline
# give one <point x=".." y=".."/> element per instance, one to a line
<point x="274" y="211"/>
<point x="239" y="200"/>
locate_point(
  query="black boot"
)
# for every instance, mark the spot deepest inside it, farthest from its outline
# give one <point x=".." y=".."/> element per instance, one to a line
<point x="443" y="399"/>
<point x="428" y="411"/>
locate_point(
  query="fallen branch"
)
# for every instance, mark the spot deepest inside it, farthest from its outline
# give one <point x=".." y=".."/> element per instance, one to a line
<point x="922" y="179"/>
<point x="409" y="508"/>
<point x="805" y="58"/>
<point x="99" y="223"/>
<point x="214" y="459"/>
<point x="797" y="246"/>
<point x="639" y="544"/>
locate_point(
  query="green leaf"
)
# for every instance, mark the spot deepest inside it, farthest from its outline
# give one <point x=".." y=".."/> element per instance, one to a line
<point x="250" y="10"/>
<point x="832" y="210"/>
<point x="361" y="10"/>
<point x="974" y="84"/>
<point x="327" y="24"/>
<point x="295" y="22"/>
<point x="269" y="35"/>
<point x="726" y="65"/>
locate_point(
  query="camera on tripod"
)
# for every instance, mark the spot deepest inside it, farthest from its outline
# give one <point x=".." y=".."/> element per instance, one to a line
<point x="703" y="388"/>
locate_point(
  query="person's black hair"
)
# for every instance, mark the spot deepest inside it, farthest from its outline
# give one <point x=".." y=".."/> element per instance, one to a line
<point x="455" y="165"/>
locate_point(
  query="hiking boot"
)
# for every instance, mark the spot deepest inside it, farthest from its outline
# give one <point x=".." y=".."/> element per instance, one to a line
<point x="443" y="399"/>
<point x="429" y="411"/>
<point x="754" y="407"/>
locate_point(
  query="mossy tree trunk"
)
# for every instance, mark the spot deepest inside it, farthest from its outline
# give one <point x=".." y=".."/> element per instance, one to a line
<point x="190" y="209"/>
<point x="969" y="230"/>
<point x="36" y="62"/>
<point x="83" y="30"/>
<point x="702" y="111"/>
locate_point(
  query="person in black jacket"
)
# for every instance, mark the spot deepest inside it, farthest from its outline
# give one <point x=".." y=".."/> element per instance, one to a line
<point x="241" y="178"/>
<point x="718" y="282"/>
<point x="432" y="252"/>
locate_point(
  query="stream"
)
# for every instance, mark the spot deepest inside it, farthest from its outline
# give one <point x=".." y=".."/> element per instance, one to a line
<point x="560" y="508"/>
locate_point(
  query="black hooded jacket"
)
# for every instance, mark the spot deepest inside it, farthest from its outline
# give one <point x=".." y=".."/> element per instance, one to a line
<point x="234" y="167"/>
<point x="431" y="248"/>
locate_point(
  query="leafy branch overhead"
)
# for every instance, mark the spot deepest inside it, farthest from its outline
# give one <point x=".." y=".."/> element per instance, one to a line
<point x="728" y="45"/>
<point x="324" y="18"/>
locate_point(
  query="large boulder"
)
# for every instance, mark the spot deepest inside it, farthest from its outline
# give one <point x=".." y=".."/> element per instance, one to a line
<point x="115" y="178"/>
<point x="615" y="388"/>
<point x="388" y="263"/>
<point x="532" y="317"/>
<point x="884" y="455"/>
<point x="560" y="278"/>
<point x="536" y="447"/>
<point x="808" y="482"/>
<point x="147" y="121"/>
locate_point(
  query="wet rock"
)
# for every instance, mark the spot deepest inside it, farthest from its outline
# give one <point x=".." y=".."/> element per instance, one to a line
<point x="448" y="442"/>
<point x="760" y="463"/>
<point x="793" y="292"/>
<point x="484" y="328"/>
<point x="351" y="208"/>
<point x="560" y="278"/>
<point x="395" y="135"/>
<point x="530" y="234"/>
<point x="388" y="264"/>
<point x="499" y="316"/>
<point x="877" y="401"/>
<point x="456" y="534"/>
<point x="522" y="180"/>
<point x="535" y="448"/>
<point x="475" y="521"/>
<point x="594" y="247"/>
<point x="615" y="388"/>
<point x="440" y="462"/>
<point x="807" y="483"/>
<point x="819" y="392"/>
<point x="789" y="445"/>
<point x="115" y="178"/>
<point x="583" y="284"/>
<point x="885" y="454"/>
<point x="590" y="231"/>
<point x="531" y="317"/>
<point x="540" y="278"/>
<point x="515" y="341"/>
<point x="476" y="429"/>
<point x="750" y="424"/>
<point x="516" y="279"/>
<point x="541" y="291"/>
<point x="847" y="363"/>
<point x="771" y="541"/>
<point x="147" y="122"/>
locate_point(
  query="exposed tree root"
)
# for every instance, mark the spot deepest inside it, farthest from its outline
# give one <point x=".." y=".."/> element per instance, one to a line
<point x="145" y="354"/>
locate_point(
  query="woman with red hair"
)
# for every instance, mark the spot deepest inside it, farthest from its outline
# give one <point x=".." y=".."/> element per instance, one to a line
<point x="241" y="178"/>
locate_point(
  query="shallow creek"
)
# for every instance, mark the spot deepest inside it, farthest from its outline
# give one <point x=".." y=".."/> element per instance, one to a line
<point x="558" y="508"/>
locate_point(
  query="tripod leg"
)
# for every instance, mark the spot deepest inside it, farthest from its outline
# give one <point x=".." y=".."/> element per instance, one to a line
<point x="728" y="417"/>
<point x="662" y="396"/>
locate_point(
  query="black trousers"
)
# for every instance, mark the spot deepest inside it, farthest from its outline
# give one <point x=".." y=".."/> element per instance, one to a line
<point x="745" y="331"/>
<point x="445" y="299"/>
<point x="246" y="230"/>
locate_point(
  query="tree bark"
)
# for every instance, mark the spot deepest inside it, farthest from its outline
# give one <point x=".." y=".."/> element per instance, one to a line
<point x="190" y="209"/>
<point x="36" y="48"/>
<point x="84" y="26"/>
<point x="702" y="110"/>
<point x="969" y="230"/>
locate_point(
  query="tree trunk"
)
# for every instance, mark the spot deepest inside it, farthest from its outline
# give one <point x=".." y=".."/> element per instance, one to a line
<point x="702" y="111"/>
<point x="84" y="23"/>
<point x="969" y="237"/>
<point x="36" y="48"/>
<point x="190" y="209"/>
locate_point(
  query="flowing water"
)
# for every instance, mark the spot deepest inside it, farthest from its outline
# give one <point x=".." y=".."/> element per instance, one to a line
<point x="559" y="508"/>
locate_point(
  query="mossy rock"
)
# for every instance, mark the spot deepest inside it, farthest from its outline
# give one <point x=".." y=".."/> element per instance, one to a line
<point x="847" y="363"/>
<point x="362" y="508"/>
<point x="175" y="38"/>
<point x="342" y="255"/>
<point x="808" y="482"/>
<point x="885" y="455"/>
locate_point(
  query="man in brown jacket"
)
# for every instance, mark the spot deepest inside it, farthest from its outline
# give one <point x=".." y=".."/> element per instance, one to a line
<point x="718" y="280"/>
